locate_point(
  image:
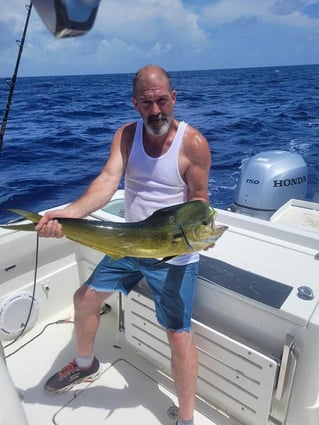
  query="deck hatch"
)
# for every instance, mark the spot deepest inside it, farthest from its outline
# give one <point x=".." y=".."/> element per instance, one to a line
<point x="232" y="376"/>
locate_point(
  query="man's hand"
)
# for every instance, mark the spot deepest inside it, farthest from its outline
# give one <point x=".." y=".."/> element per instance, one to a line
<point x="49" y="226"/>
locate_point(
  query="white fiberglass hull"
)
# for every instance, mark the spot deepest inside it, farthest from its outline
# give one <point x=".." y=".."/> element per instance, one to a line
<point x="256" y="332"/>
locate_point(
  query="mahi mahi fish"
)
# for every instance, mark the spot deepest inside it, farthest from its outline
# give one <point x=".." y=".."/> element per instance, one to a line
<point x="168" y="232"/>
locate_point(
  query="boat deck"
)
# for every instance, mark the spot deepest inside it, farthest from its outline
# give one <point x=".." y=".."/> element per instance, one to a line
<point x="130" y="388"/>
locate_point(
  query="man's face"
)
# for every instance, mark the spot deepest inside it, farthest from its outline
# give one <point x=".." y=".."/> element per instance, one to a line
<point x="155" y="102"/>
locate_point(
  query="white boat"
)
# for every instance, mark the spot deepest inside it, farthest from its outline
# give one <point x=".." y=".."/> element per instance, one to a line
<point x="255" y="324"/>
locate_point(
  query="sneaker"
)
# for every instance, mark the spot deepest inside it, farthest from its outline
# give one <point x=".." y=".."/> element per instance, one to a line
<point x="71" y="375"/>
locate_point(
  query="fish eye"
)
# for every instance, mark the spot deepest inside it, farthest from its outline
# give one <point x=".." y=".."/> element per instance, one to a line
<point x="204" y="222"/>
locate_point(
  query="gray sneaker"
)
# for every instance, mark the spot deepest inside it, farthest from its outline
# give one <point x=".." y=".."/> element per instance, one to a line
<point x="71" y="375"/>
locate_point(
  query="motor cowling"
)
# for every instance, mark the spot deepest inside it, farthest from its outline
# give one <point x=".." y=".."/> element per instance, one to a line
<point x="267" y="181"/>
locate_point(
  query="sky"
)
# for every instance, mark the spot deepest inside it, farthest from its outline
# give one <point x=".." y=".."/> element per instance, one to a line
<point x="176" y="34"/>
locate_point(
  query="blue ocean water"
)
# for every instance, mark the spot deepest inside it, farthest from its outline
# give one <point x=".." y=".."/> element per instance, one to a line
<point x="60" y="128"/>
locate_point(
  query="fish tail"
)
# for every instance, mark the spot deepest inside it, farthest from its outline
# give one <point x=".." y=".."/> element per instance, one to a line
<point x="25" y="227"/>
<point x="34" y="217"/>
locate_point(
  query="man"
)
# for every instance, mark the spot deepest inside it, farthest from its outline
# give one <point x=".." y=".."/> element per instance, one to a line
<point x="165" y="162"/>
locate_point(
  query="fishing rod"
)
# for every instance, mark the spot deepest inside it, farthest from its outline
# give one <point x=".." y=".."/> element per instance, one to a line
<point x="14" y="77"/>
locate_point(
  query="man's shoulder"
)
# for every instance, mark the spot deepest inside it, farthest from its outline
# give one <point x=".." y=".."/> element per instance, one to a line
<point x="127" y="131"/>
<point x="125" y="136"/>
<point x="195" y="143"/>
<point x="130" y="126"/>
<point x="191" y="132"/>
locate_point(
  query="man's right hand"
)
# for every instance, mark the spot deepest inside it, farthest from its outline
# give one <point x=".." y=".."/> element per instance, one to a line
<point x="49" y="226"/>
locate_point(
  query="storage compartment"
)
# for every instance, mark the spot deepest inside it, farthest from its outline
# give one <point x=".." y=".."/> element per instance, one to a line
<point x="234" y="377"/>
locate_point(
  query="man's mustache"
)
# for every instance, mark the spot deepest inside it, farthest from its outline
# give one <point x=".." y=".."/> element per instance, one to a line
<point x="158" y="117"/>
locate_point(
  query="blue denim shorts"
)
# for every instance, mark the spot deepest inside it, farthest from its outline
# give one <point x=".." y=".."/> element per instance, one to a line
<point x="172" y="287"/>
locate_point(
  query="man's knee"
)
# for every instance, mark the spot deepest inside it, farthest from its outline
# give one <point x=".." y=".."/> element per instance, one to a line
<point x="85" y="297"/>
<point x="179" y="340"/>
<point x="89" y="298"/>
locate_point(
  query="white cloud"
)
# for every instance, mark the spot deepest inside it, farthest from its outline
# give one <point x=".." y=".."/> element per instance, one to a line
<point x="178" y="34"/>
<point x="227" y="11"/>
<point x="279" y="12"/>
<point x="149" y="21"/>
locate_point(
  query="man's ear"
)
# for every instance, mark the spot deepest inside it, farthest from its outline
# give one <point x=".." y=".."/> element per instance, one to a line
<point x="173" y="97"/>
<point x="134" y="101"/>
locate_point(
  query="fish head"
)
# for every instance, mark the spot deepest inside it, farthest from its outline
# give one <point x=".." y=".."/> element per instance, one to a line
<point x="203" y="232"/>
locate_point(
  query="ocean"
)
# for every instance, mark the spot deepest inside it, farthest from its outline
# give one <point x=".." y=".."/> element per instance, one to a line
<point x="60" y="128"/>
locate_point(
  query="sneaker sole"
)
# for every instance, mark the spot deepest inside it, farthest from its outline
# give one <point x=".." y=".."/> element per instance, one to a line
<point x="90" y="378"/>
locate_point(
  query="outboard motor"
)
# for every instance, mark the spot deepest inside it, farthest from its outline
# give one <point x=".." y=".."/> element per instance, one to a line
<point x="267" y="181"/>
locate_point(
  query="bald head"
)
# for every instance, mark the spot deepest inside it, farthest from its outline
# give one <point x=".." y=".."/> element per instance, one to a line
<point x="150" y="73"/>
<point x="154" y="98"/>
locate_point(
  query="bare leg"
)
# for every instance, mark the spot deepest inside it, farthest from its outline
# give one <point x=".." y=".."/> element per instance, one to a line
<point x="184" y="371"/>
<point x="87" y="303"/>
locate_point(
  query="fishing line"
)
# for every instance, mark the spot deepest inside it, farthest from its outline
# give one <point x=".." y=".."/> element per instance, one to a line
<point x="105" y="308"/>
<point x="33" y="294"/>
<point x="57" y="322"/>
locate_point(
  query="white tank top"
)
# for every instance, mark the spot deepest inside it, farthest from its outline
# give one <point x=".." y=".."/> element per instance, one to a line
<point x="154" y="183"/>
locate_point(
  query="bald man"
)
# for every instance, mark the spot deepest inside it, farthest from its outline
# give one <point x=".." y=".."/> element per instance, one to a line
<point x="164" y="162"/>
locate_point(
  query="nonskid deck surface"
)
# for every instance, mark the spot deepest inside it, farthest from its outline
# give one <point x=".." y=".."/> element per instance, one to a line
<point x="130" y="389"/>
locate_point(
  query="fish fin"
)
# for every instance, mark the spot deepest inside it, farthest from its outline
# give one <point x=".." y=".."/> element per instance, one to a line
<point x="115" y="257"/>
<point x="34" y="217"/>
<point x="163" y="260"/>
<point x="24" y="227"/>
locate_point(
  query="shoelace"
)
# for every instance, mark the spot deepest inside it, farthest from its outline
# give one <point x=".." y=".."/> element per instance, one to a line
<point x="67" y="370"/>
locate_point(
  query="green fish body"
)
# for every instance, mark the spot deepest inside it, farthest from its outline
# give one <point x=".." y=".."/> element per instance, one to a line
<point x="168" y="232"/>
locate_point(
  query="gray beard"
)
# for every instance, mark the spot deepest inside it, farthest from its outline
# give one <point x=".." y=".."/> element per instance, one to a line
<point x="156" y="130"/>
